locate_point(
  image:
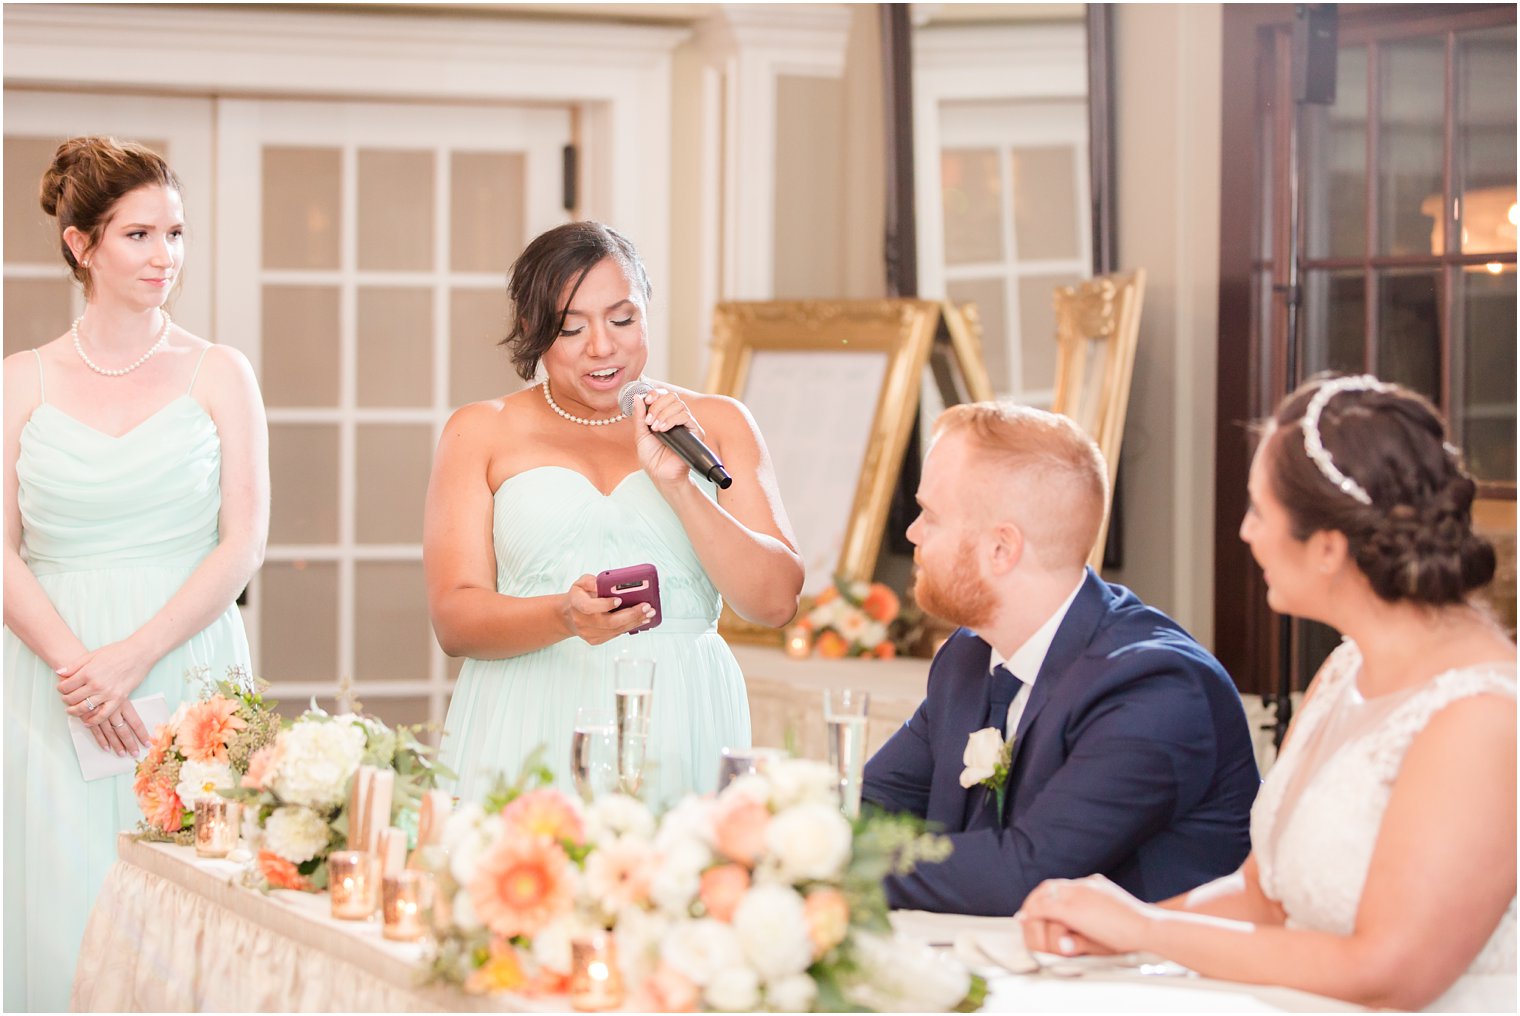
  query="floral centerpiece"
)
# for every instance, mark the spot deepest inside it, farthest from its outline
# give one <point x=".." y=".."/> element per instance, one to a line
<point x="852" y="619"/>
<point x="297" y="791"/>
<point x="202" y="750"/>
<point x="763" y="897"/>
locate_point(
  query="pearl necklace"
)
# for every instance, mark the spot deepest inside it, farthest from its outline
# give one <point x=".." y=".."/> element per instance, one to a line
<point x="578" y="419"/>
<point x="163" y="335"/>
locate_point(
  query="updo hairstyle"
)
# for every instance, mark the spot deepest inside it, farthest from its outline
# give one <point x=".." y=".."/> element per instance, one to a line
<point x="1415" y="541"/>
<point x="89" y="175"/>
<point x="537" y="280"/>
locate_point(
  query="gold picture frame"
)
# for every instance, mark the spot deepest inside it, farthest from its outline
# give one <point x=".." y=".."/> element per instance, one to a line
<point x="1098" y="328"/>
<point x="834" y="386"/>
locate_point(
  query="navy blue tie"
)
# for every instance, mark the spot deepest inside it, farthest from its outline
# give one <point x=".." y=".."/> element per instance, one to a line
<point x="1004" y="689"/>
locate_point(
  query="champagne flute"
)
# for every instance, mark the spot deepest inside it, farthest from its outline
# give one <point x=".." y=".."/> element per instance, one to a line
<point x="736" y="762"/>
<point x="633" y="691"/>
<point x="845" y="712"/>
<point x="593" y="752"/>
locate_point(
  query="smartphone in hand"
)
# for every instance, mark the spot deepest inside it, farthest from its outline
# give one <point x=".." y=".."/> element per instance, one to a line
<point x="637" y="583"/>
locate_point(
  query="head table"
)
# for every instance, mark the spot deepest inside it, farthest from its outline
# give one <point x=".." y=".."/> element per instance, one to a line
<point x="172" y="932"/>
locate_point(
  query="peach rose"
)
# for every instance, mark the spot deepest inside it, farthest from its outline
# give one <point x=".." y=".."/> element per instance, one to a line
<point x="281" y="873"/>
<point x="739" y="828"/>
<point x="880" y="603"/>
<point x="263" y="762"/>
<point x="831" y="645"/>
<point x="670" y="991"/>
<point x="722" y="889"/>
<point x="158" y="750"/>
<point x="828" y="919"/>
<point x="885" y="651"/>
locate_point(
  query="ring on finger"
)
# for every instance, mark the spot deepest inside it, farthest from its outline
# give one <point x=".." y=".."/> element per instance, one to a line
<point x="89" y="704"/>
<point x="118" y="722"/>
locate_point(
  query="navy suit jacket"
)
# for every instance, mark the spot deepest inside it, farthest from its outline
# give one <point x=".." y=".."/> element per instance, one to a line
<point x="1132" y="759"/>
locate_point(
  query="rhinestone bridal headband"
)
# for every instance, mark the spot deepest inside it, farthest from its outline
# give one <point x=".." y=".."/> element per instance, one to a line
<point x="1314" y="447"/>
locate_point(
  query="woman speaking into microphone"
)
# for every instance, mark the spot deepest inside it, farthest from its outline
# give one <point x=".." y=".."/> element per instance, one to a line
<point x="534" y="493"/>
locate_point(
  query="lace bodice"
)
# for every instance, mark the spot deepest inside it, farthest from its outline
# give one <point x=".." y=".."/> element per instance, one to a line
<point x="1314" y="831"/>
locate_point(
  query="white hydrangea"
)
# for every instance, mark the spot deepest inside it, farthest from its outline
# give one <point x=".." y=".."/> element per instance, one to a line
<point x="202" y="779"/>
<point x="317" y="760"/>
<point x="734" y="989"/>
<point x="639" y="936"/>
<point x="551" y="946"/>
<point x="809" y="842"/>
<point x="463" y="912"/>
<point x="690" y="819"/>
<point x="614" y="815"/>
<point x="903" y="977"/>
<point x="772" y="928"/>
<point x="795" y="781"/>
<point x="699" y="949"/>
<point x="295" y="833"/>
<point x="678" y="875"/>
<point x="793" y="993"/>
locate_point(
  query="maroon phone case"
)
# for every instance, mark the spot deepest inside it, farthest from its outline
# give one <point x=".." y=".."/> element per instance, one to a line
<point x="637" y="583"/>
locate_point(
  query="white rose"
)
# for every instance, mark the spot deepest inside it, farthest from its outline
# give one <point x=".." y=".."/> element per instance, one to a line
<point x="295" y="833"/>
<point x="639" y="936"/>
<point x="853" y="626"/>
<point x="873" y="634"/>
<point x="900" y="977"/>
<point x="614" y="815"/>
<point x="467" y="838"/>
<point x="699" y="949"/>
<point x="678" y="875"/>
<point x="690" y="819"/>
<point x="797" y="781"/>
<point x="551" y="946"/>
<point x="794" y="993"/>
<point x="735" y="989"/>
<point x="984" y="750"/>
<point x="463" y="912"/>
<point x="318" y="758"/>
<point x="202" y="779"/>
<point x="772" y="928"/>
<point x="809" y="842"/>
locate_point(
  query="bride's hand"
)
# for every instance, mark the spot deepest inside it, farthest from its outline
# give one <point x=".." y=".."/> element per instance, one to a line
<point x="95" y="688"/>
<point x="657" y="412"/>
<point x="597" y="619"/>
<point x="1088" y="915"/>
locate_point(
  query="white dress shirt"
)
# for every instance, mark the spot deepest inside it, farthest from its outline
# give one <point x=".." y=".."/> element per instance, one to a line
<point x="1027" y="659"/>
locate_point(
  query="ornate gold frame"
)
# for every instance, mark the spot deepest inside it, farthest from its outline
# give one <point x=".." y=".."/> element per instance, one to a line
<point x="1098" y="327"/>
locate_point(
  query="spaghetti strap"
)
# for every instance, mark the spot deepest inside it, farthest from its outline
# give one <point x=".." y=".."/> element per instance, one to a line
<point x="198" y="369"/>
<point x="41" y="389"/>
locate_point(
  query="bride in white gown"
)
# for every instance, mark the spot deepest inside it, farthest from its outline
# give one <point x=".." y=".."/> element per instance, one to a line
<point x="1382" y="868"/>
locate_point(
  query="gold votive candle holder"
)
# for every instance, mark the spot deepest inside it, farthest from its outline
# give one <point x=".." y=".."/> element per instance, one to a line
<point x="216" y="826"/>
<point x="799" y="643"/>
<point x="406" y="899"/>
<point x="596" y="985"/>
<point x="352" y="883"/>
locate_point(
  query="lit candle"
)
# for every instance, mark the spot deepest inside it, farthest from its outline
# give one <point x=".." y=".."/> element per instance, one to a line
<point x="216" y="826"/>
<point x="595" y="984"/>
<point x="798" y="642"/>
<point x="351" y="883"/>
<point x="406" y="897"/>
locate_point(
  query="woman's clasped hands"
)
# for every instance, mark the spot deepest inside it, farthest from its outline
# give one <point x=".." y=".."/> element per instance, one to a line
<point x="95" y="687"/>
<point x="1085" y="916"/>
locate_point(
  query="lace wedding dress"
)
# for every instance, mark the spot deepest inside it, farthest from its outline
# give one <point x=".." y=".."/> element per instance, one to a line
<point x="1318" y="815"/>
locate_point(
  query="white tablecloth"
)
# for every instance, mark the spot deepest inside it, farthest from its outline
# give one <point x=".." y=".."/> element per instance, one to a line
<point x="174" y="933"/>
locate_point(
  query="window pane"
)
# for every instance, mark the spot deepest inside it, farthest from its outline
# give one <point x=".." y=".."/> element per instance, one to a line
<point x="300" y="345"/>
<point x="31" y="236"/>
<point x="1335" y="322"/>
<point x="36" y="311"/>
<point x="1487" y="348"/>
<point x="303" y="481"/>
<point x="991" y="307"/>
<point x="390" y="609"/>
<point x="302" y="207"/>
<point x="395" y="362"/>
<point x="298" y="622"/>
<point x="486" y="215"/>
<point x="1335" y="149"/>
<point x="1409" y="331"/>
<point x="395" y="209"/>
<point x="1411" y="131"/>
<point x="392" y="462"/>
<point x="1045" y="220"/>
<point x="972" y="193"/>
<point x="1485" y="139"/>
<point x="479" y="368"/>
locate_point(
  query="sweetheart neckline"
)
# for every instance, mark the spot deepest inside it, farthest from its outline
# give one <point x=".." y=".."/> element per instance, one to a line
<point x="573" y="472"/>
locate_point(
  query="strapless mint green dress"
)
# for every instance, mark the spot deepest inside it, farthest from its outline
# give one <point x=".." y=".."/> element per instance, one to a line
<point x="111" y="527"/>
<point x="551" y="526"/>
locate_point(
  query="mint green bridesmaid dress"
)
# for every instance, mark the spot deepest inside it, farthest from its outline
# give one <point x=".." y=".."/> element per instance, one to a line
<point x="551" y="526"/>
<point x="111" y="527"/>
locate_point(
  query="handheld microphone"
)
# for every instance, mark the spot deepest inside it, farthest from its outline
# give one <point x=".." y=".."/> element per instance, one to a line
<point x="679" y="439"/>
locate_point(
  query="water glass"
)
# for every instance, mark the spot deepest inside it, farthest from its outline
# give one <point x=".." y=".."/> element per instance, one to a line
<point x="593" y="752"/>
<point x="633" y="689"/>
<point x="845" y="713"/>
<point x="736" y="762"/>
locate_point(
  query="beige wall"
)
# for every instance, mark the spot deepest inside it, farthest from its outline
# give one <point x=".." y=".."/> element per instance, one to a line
<point x="1167" y="94"/>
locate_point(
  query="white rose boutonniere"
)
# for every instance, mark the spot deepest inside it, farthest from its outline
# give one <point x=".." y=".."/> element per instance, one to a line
<point x="987" y="760"/>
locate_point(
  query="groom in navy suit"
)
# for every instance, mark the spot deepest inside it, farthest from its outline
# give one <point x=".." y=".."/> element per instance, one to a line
<point x="1130" y="754"/>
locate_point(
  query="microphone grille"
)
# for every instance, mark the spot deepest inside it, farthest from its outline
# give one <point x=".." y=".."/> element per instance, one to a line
<point x="630" y="391"/>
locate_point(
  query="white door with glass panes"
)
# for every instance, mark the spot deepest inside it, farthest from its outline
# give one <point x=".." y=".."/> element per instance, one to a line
<point x="361" y="264"/>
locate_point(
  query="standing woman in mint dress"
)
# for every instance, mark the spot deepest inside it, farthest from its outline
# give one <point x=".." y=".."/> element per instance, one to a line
<point x="534" y="493"/>
<point x="136" y="509"/>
